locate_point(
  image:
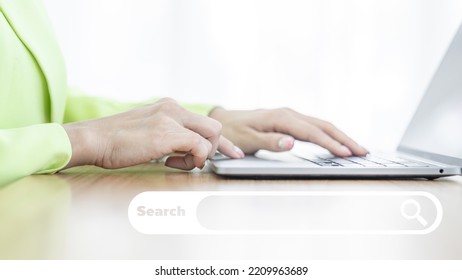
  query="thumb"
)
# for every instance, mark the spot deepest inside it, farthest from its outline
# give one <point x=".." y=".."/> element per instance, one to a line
<point x="275" y="142"/>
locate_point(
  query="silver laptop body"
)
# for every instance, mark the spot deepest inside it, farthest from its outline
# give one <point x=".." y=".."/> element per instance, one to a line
<point x="430" y="148"/>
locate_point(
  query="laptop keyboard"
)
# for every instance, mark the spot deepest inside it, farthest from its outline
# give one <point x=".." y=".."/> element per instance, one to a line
<point x="366" y="161"/>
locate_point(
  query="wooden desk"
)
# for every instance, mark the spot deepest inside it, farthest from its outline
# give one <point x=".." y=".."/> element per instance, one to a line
<point x="81" y="213"/>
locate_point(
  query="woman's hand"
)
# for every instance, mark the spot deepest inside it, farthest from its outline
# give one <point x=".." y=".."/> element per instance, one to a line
<point x="147" y="133"/>
<point x="276" y="130"/>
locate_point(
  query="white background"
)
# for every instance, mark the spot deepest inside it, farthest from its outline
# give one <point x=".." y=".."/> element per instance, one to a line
<point x="362" y="64"/>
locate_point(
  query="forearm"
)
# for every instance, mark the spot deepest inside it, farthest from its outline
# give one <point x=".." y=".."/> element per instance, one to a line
<point x="146" y="133"/>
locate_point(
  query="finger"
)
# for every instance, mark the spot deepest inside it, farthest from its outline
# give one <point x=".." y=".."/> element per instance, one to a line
<point x="191" y="143"/>
<point x="319" y="137"/>
<point x="339" y="136"/>
<point x="227" y="148"/>
<point x="185" y="162"/>
<point x="274" y="141"/>
<point x="207" y="127"/>
<point x="305" y="131"/>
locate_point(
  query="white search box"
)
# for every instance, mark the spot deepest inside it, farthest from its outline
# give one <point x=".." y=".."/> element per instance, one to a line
<point x="276" y="212"/>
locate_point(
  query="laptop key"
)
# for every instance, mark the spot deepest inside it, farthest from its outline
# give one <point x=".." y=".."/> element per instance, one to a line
<point x="364" y="162"/>
<point x="343" y="161"/>
<point x="377" y="159"/>
<point x="329" y="164"/>
<point x="325" y="163"/>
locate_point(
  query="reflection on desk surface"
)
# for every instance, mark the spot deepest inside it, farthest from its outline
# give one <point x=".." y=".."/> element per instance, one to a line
<point x="81" y="213"/>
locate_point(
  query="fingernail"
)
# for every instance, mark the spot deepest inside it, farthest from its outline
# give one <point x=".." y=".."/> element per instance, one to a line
<point x="286" y="143"/>
<point x="345" y="151"/>
<point x="239" y="152"/>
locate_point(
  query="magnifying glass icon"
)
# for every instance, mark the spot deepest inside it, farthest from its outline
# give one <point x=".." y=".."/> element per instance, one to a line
<point x="415" y="211"/>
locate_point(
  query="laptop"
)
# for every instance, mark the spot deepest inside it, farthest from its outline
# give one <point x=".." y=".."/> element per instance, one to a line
<point x="431" y="146"/>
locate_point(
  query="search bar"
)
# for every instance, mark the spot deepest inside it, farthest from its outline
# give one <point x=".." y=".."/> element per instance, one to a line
<point x="289" y="212"/>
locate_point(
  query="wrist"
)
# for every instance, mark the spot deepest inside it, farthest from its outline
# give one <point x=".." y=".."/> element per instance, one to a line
<point x="81" y="143"/>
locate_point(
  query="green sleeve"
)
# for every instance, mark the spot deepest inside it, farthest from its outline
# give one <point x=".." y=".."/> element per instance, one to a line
<point x="80" y="107"/>
<point x="36" y="149"/>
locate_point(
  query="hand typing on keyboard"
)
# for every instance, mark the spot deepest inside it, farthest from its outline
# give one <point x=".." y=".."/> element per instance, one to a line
<point x="277" y="129"/>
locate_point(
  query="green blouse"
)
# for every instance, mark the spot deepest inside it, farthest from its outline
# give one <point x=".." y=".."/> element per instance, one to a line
<point x="35" y="98"/>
